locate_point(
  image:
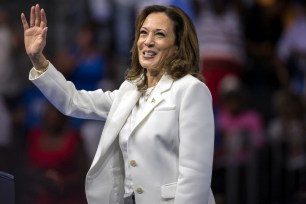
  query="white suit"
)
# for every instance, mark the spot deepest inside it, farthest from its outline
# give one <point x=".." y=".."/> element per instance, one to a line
<point x="170" y="148"/>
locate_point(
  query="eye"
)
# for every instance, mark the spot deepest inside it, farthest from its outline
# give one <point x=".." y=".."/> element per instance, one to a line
<point x="160" y="34"/>
<point x="143" y="32"/>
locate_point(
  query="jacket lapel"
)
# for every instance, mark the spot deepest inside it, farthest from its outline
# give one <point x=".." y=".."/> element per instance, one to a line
<point x="116" y="121"/>
<point x="123" y="109"/>
<point x="163" y="85"/>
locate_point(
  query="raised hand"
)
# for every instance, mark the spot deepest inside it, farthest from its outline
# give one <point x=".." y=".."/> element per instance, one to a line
<point x="35" y="35"/>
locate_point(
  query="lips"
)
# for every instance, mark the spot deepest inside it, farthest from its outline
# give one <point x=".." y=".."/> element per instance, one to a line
<point x="149" y="53"/>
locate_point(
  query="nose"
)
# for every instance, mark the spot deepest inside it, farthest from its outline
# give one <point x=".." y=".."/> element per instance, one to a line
<point x="149" y="41"/>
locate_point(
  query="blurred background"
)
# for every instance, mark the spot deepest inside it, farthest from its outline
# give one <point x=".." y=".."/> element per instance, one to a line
<point x="253" y="59"/>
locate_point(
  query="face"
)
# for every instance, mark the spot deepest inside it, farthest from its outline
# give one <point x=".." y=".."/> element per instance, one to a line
<point x="156" y="40"/>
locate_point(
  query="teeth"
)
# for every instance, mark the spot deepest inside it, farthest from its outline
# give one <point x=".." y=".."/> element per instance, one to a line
<point x="149" y="54"/>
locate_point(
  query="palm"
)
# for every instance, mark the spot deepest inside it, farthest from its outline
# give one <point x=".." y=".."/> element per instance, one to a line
<point x="34" y="40"/>
<point x="35" y="33"/>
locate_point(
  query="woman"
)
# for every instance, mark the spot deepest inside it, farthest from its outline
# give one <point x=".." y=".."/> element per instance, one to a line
<point x="55" y="162"/>
<point x="157" y="143"/>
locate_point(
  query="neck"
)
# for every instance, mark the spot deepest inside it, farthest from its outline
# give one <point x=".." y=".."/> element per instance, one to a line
<point x="153" y="77"/>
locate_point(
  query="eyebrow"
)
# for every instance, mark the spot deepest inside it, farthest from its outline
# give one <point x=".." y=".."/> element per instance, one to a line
<point x="158" y="29"/>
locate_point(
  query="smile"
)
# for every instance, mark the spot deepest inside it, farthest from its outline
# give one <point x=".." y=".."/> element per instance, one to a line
<point x="149" y="53"/>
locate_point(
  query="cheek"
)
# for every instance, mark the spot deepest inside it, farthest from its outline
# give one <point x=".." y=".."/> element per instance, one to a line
<point x="139" y="44"/>
<point x="167" y="51"/>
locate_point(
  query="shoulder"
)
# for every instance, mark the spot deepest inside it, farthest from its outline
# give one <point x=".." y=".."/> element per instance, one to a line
<point x="127" y="85"/>
<point x="187" y="79"/>
<point x="188" y="82"/>
<point x="126" y="88"/>
<point x="190" y="87"/>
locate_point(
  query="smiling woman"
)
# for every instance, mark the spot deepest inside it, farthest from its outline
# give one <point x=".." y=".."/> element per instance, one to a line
<point x="172" y="29"/>
<point x="155" y="42"/>
<point x="158" y="140"/>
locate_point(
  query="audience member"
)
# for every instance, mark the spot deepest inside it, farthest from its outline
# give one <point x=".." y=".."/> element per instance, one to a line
<point x="286" y="133"/>
<point x="262" y="28"/>
<point x="221" y="43"/>
<point x="84" y="64"/>
<point x="292" y="50"/>
<point x="9" y="83"/>
<point x="242" y="136"/>
<point x="55" y="163"/>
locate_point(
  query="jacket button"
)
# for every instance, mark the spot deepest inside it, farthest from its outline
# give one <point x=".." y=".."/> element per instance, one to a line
<point x="133" y="163"/>
<point x="139" y="190"/>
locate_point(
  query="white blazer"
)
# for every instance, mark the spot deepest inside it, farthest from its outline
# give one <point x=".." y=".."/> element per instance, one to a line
<point x="170" y="148"/>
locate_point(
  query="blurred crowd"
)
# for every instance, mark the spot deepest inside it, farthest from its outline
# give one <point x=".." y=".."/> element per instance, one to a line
<point x="253" y="59"/>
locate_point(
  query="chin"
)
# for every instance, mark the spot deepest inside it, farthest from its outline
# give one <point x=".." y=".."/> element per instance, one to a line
<point x="145" y="66"/>
<point x="148" y="64"/>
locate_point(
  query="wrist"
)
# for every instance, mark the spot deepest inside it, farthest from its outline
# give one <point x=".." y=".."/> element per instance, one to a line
<point x="43" y="68"/>
<point x="39" y="61"/>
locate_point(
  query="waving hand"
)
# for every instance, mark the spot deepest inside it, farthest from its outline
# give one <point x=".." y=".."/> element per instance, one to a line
<point x="35" y="35"/>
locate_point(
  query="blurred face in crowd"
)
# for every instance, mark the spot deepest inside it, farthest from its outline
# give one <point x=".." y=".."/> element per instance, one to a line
<point x="156" y="40"/>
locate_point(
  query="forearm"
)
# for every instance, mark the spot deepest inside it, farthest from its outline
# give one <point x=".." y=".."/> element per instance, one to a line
<point x="63" y="95"/>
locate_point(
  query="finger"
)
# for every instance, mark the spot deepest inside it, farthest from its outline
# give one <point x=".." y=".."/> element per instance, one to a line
<point x="24" y="22"/>
<point x="32" y="16"/>
<point x="37" y="15"/>
<point x="43" y="22"/>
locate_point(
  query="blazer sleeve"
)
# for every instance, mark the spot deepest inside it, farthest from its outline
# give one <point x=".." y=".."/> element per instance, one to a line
<point x="70" y="101"/>
<point x="196" y="132"/>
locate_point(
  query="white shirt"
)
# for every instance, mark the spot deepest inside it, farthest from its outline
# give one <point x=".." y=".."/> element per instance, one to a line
<point x="124" y="137"/>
